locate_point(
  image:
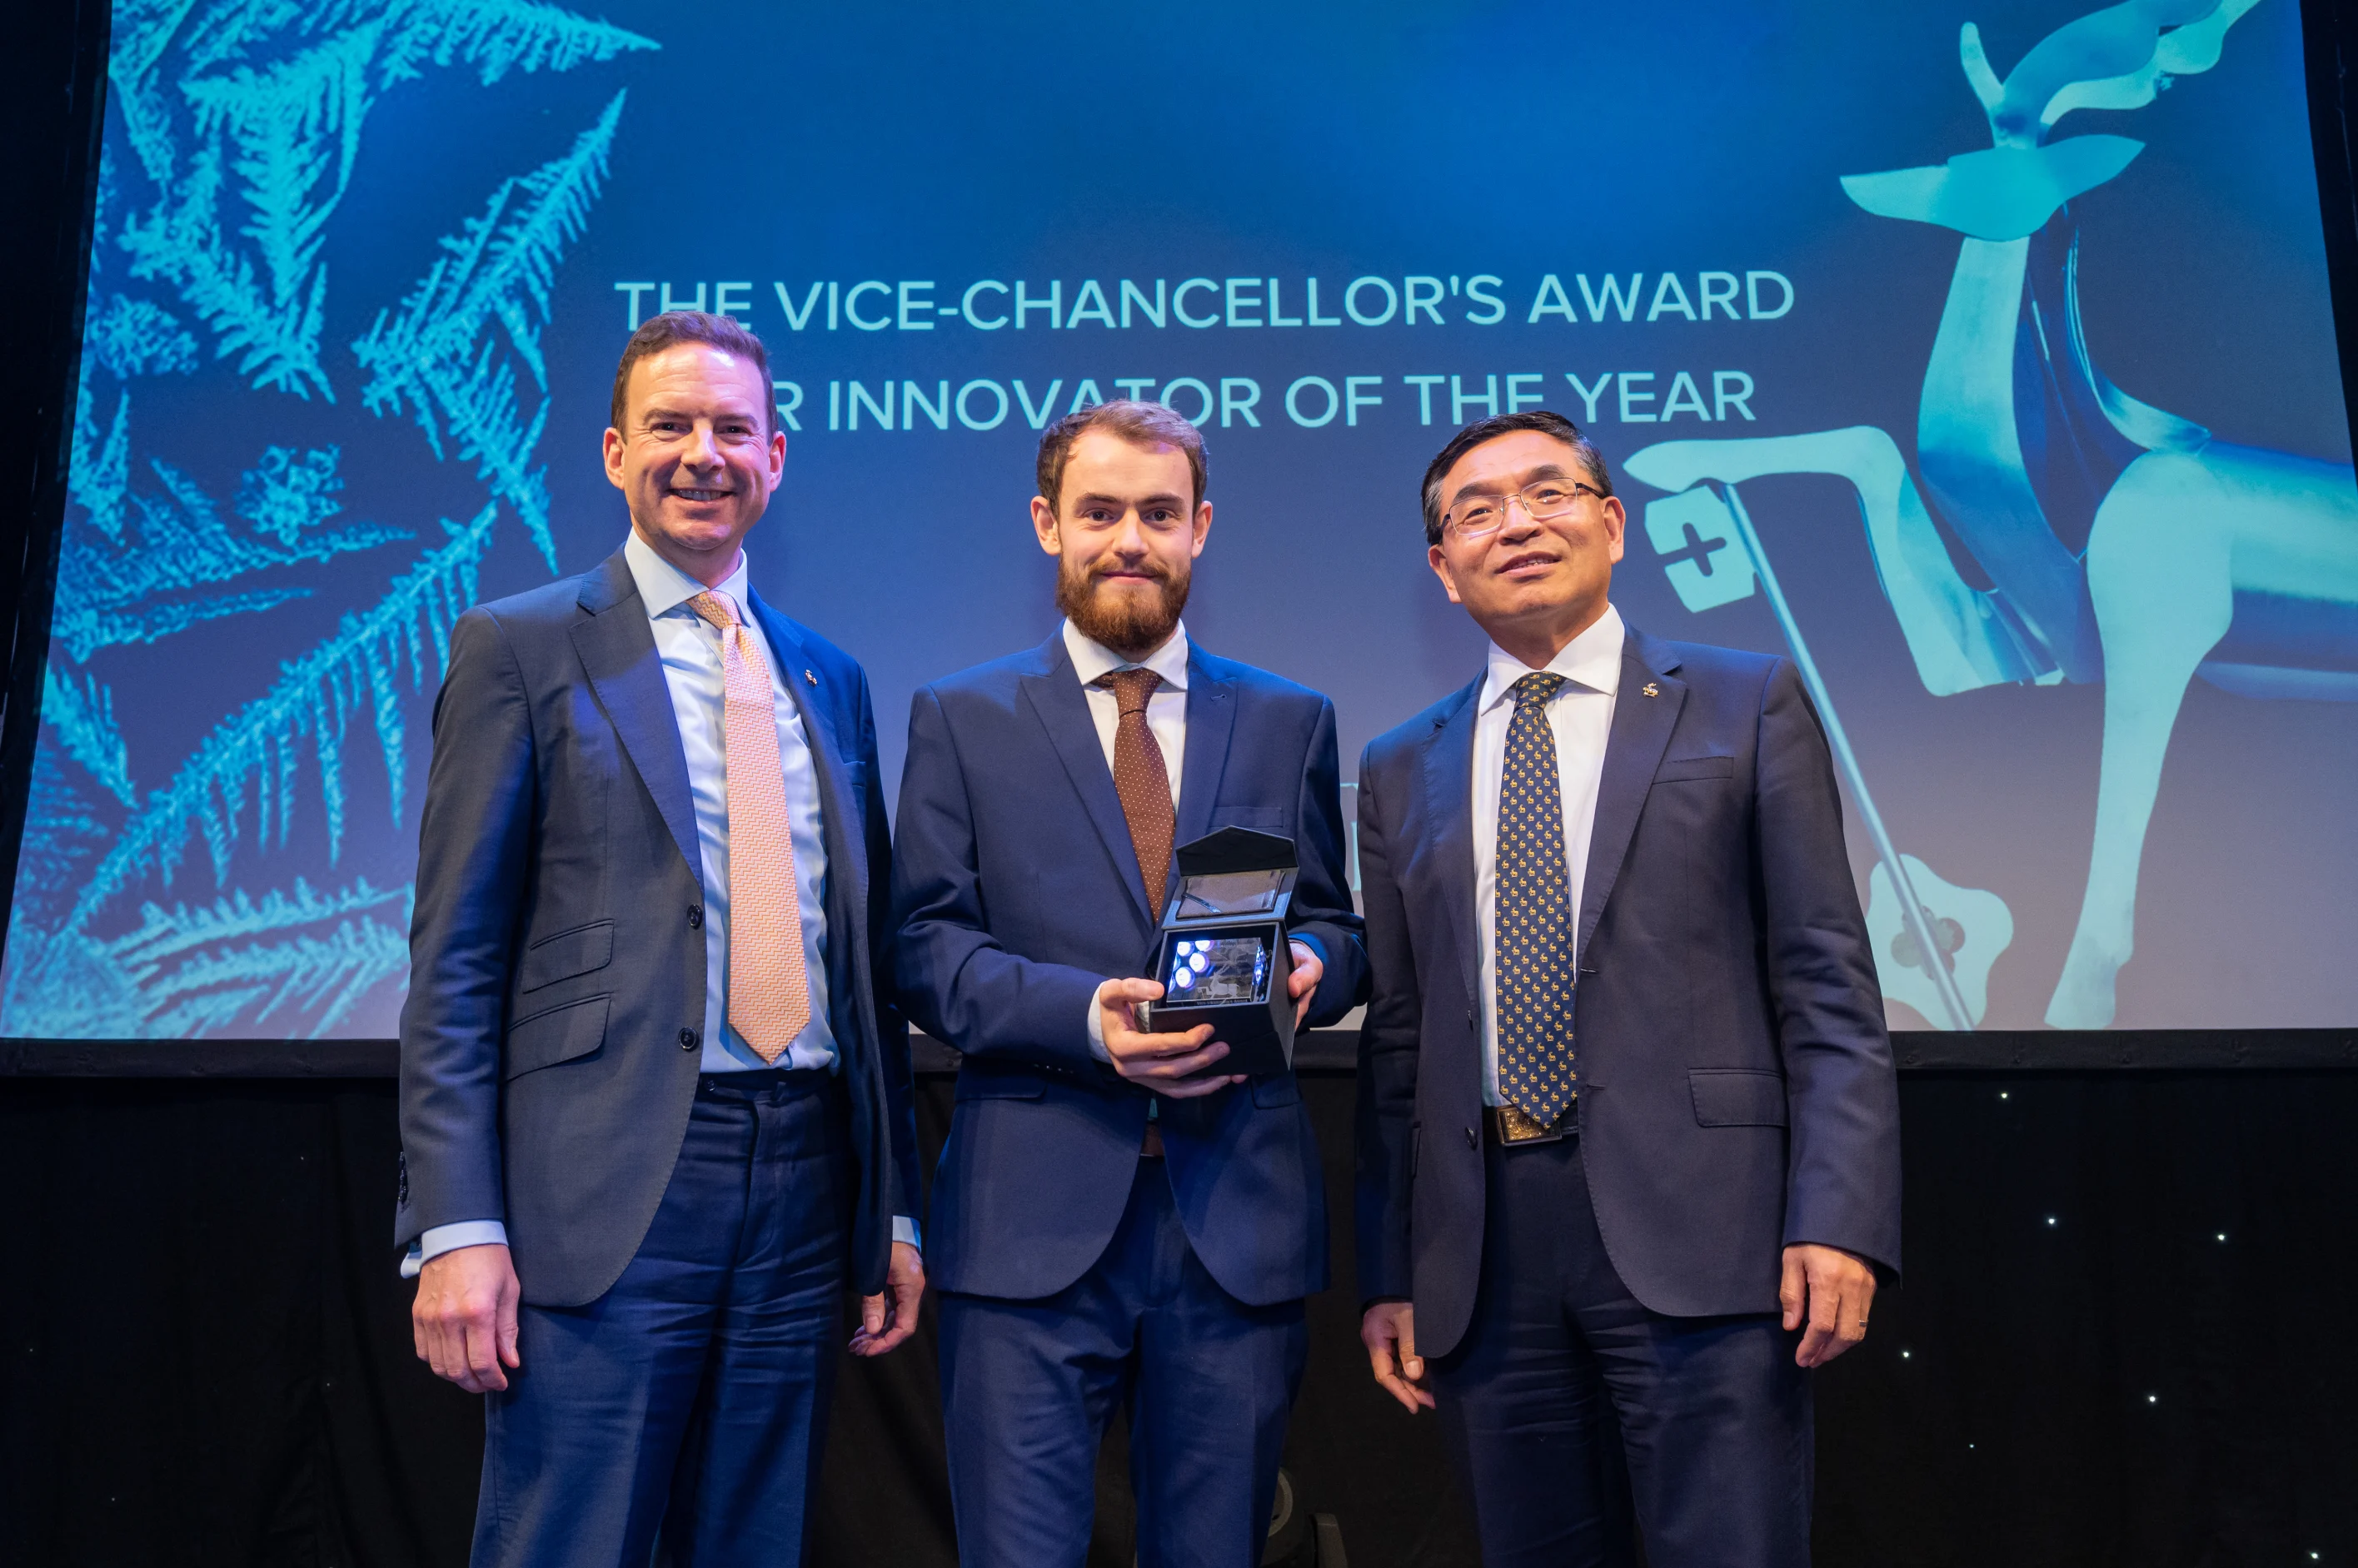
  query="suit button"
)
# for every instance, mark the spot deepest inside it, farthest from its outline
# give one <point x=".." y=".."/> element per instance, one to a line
<point x="687" y="1039"/>
<point x="695" y="917"/>
<point x="1473" y="1139"/>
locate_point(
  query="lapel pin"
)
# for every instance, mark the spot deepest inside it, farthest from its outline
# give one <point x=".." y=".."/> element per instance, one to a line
<point x="1650" y="689"/>
<point x="810" y="677"/>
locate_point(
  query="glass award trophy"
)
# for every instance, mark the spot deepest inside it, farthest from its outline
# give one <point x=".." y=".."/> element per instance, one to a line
<point x="1221" y="954"/>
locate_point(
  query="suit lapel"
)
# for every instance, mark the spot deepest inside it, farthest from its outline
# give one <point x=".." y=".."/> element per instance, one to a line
<point x="1449" y="790"/>
<point x="1633" y="751"/>
<point x="617" y="648"/>
<point x="1056" y="700"/>
<point x="1211" y="719"/>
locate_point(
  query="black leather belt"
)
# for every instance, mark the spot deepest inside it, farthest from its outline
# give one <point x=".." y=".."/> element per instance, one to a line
<point x="799" y="1080"/>
<point x="1507" y="1126"/>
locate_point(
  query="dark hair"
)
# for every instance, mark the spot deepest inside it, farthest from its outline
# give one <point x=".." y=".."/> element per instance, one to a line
<point x="1140" y="424"/>
<point x="1545" y="421"/>
<point x="657" y="333"/>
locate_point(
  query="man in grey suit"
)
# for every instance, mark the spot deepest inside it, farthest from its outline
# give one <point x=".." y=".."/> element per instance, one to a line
<point x="655" y="1091"/>
<point x="1610" y="1255"/>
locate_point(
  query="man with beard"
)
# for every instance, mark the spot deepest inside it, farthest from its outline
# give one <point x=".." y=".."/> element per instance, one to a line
<point x="1115" y="1220"/>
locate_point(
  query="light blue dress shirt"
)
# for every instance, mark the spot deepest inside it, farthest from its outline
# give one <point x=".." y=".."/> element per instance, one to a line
<point x="689" y="647"/>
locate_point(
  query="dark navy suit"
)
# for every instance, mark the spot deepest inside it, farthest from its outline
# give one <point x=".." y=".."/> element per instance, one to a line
<point x="550" y="1076"/>
<point x="1736" y="1096"/>
<point x="1018" y="892"/>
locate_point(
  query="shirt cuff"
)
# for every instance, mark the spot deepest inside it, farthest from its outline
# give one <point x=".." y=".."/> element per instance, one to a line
<point x="905" y="1231"/>
<point x="1097" y="1031"/>
<point x="440" y="1238"/>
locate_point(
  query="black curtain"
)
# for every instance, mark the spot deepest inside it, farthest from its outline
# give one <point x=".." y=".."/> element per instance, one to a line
<point x="2120" y="1342"/>
<point x="49" y="121"/>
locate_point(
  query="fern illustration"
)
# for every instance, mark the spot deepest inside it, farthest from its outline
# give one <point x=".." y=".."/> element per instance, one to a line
<point x="62" y="838"/>
<point x="440" y="357"/>
<point x="233" y="140"/>
<point x="498" y="37"/>
<point x="258" y="747"/>
<point x="99" y="473"/>
<point x="185" y="972"/>
<point x="83" y="714"/>
<point x="180" y="242"/>
<point x="275" y="95"/>
<point x="199" y="969"/>
<point x="138" y="336"/>
<point x="145" y="577"/>
<point x="323" y="975"/>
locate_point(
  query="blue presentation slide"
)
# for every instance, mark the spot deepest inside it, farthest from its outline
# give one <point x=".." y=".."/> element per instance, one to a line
<point x="1975" y="354"/>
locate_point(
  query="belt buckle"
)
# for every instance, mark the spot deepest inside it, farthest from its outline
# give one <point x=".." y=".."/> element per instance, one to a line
<point x="1515" y="1129"/>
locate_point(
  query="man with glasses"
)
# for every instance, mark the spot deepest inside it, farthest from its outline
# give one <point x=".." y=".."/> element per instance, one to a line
<point x="1608" y="1257"/>
<point x="1120" y="1219"/>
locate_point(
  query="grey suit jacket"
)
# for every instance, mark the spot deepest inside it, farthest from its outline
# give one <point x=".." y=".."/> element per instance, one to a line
<point x="1736" y="1092"/>
<point x="552" y="1038"/>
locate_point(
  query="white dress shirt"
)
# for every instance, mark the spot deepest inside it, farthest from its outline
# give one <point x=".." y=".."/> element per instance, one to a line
<point x="1166" y="717"/>
<point x="1166" y="710"/>
<point x="689" y="647"/>
<point x="1581" y="714"/>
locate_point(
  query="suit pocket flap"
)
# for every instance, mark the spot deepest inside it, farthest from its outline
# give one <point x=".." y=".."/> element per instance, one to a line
<point x="976" y="1084"/>
<point x="1673" y="769"/>
<point x="557" y="1034"/>
<point x="1738" y="1096"/>
<point x="1280" y="1089"/>
<point x="569" y="952"/>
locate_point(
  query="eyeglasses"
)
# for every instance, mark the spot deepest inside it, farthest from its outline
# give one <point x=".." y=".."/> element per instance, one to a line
<point x="1480" y="516"/>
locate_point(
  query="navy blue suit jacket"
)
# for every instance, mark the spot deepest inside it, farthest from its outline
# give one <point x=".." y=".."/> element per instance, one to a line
<point x="1017" y="893"/>
<point x="550" y="1042"/>
<point x="1737" y="1091"/>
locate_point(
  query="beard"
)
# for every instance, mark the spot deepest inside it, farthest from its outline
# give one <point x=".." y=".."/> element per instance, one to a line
<point x="1133" y="625"/>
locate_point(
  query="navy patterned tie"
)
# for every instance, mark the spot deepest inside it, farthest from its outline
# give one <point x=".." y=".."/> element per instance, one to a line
<point x="1533" y="933"/>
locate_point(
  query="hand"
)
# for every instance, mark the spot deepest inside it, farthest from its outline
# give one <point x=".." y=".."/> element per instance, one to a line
<point x="1308" y="967"/>
<point x="1833" y="1290"/>
<point x="464" y="1321"/>
<point x="887" y="1319"/>
<point x="1389" y="1331"/>
<point x="1157" y="1062"/>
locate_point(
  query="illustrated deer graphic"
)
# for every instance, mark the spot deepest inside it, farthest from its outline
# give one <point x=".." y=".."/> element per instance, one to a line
<point x="2123" y="543"/>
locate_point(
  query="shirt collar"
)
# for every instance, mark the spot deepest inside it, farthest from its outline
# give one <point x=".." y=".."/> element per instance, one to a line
<point x="664" y="587"/>
<point x="1592" y="660"/>
<point x="1092" y="659"/>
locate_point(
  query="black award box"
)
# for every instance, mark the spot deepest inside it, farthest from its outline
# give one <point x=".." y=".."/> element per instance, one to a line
<point x="1221" y="956"/>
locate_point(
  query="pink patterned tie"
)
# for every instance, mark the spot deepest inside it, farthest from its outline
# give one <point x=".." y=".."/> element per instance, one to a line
<point x="769" y="988"/>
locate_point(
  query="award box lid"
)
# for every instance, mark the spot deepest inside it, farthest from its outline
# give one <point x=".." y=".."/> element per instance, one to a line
<point x="1233" y="874"/>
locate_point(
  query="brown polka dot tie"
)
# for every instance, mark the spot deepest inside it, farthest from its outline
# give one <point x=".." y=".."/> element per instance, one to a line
<point x="1142" y="779"/>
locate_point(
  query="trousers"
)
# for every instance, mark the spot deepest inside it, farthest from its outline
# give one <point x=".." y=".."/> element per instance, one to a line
<point x="687" y="1404"/>
<point x="1029" y="1389"/>
<point x="1574" y="1416"/>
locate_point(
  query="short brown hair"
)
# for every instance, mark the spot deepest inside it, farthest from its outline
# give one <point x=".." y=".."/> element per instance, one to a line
<point x="657" y="333"/>
<point x="1139" y="424"/>
<point x="1547" y="422"/>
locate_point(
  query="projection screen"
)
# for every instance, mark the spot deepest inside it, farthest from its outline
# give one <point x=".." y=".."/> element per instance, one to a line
<point x="1977" y="355"/>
